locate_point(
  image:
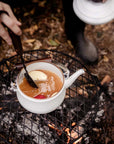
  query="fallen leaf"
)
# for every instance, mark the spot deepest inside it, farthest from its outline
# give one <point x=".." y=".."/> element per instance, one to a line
<point x="37" y="44"/>
<point x="32" y="11"/>
<point x="32" y="29"/>
<point x="53" y="43"/>
<point x="29" y="40"/>
<point x="26" y="14"/>
<point x="13" y="53"/>
<point x="105" y="59"/>
<point x="42" y="3"/>
<point x="69" y="42"/>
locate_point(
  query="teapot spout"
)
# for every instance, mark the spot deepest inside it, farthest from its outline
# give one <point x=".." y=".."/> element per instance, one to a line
<point x="73" y="77"/>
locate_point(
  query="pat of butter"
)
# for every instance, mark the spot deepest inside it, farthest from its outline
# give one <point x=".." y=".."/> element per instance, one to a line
<point x="38" y="75"/>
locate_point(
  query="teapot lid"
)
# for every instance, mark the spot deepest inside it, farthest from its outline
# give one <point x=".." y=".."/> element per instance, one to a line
<point x="94" y="13"/>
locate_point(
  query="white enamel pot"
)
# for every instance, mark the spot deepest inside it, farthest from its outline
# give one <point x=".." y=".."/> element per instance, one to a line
<point x="94" y="13"/>
<point x="42" y="106"/>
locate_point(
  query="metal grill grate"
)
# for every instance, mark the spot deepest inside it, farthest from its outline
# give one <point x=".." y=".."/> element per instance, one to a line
<point x="66" y="125"/>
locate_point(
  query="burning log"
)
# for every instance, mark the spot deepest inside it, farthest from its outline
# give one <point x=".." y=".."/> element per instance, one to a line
<point x="52" y="126"/>
<point x="73" y="134"/>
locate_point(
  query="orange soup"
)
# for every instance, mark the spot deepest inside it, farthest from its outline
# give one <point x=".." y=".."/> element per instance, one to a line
<point x="46" y="89"/>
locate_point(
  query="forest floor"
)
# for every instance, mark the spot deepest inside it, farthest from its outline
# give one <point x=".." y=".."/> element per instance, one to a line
<point x="43" y="28"/>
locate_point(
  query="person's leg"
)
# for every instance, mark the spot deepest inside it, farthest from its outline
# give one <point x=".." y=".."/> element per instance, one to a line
<point x="74" y="28"/>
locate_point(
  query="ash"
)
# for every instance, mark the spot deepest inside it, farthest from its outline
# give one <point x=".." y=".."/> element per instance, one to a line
<point x="17" y="121"/>
<point x="25" y="127"/>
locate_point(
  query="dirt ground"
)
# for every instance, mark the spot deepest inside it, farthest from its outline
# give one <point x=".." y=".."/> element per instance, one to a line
<point x="43" y="28"/>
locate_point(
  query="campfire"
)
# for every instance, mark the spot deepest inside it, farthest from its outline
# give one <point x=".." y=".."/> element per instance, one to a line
<point x="69" y="123"/>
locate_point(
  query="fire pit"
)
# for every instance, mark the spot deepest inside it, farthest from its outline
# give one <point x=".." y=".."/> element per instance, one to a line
<point x="68" y="124"/>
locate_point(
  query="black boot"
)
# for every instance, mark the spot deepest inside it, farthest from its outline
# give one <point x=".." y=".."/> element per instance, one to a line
<point x="74" y="28"/>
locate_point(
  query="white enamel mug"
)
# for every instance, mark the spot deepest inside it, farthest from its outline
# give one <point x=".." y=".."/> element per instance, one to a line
<point x="43" y="106"/>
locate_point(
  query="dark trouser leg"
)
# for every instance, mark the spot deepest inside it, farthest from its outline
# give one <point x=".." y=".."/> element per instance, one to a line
<point x="74" y="28"/>
<point x="73" y="25"/>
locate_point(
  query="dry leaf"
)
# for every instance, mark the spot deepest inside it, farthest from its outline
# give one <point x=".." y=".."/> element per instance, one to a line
<point x="29" y="40"/>
<point x="26" y="14"/>
<point x="69" y="42"/>
<point x="52" y="42"/>
<point x="106" y="79"/>
<point x="105" y="59"/>
<point x="32" y="29"/>
<point x="13" y="53"/>
<point x="32" y="11"/>
<point x="37" y="44"/>
<point x="42" y="3"/>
